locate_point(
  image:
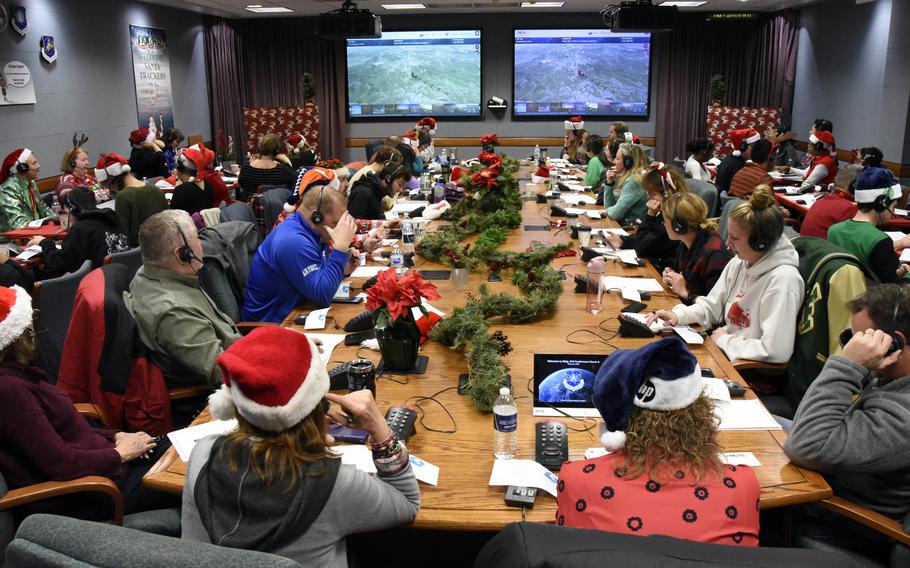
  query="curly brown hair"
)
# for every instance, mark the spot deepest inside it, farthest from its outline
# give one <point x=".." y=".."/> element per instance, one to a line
<point x="658" y="442"/>
<point x="20" y="352"/>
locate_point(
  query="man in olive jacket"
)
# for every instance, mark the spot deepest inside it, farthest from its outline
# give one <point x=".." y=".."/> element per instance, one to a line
<point x="177" y="321"/>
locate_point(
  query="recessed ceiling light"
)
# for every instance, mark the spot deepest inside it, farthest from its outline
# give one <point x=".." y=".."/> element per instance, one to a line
<point x="404" y="6"/>
<point x="684" y="3"/>
<point x="542" y="4"/>
<point x="268" y="9"/>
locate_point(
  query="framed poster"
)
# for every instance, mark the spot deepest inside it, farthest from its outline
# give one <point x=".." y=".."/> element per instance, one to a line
<point x="152" y="74"/>
<point x="16" y="85"/>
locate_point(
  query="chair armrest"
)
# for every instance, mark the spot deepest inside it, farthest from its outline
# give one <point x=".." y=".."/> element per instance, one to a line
<point x="748" y="364"/>
<point x="189" y="392"/>
<point x="47" y="490"/>
<point x="887" y="526"/>
<point x="89" y="410"/>
<point x="246" y="327"/>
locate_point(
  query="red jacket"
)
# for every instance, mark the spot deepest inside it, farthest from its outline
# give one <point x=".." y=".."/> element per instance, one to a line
<point x="103" y="362"/>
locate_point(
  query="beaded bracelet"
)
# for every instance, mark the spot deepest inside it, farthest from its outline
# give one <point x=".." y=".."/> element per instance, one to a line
<point x="384" y="444"/>
<point x="395" y="461"/>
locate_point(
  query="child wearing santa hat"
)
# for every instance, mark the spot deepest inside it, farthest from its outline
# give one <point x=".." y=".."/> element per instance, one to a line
<point x="573" y="149"/>
<point x="664" y="475"/>
<point x="20" y="199"/>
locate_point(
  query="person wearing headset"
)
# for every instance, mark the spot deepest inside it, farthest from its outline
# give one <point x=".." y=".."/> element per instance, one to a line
<point x="367" y="193"/>
<point x="305" y="257"/>
<point x="622" y="193"/>
<point x="742" y="141"/>
<point x="93" y="234"/>
<point x="852" y="423"/>
<point x="134" y="200"/>
<point x="177" y="321"/>
<point x="193" y="194"/>
<point x="20" y="200"/>
<point x="752" y="307"/>
<point x="822" y="166"/>
<point x="76" y="169"/>
<point x="876" y="193"/>
<point x="702" y="256"/>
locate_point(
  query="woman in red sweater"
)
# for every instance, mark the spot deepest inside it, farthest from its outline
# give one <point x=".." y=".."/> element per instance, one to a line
<point x="664" y="475"/>
<point x="43" y="438"/>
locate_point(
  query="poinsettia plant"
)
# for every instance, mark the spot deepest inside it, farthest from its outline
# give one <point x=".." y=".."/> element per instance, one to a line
<point x="490" y="159"/>
<point x="332" y="164"/>
<point x="488" y="142"/>
<point x="392" y="297"/>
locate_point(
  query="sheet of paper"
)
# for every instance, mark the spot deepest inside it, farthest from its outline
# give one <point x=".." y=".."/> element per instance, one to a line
<point x="592" y="214"/>
<point x="428" y="307"/>
<point x="626" y="255"/>
<point x="367" y="271"/>
<point x="895" y="235"/>
<point x="329" y="342"/>
<point x="901" y="212"/>
<point x="688" y="335"/>
<point x="388" y="242"/>
<point x="617" y="231"/>
<point x="391" y="215"/>
<point x="791" y="189"/>
<point x="525" y="473"/>
<point x="905" y="255"/>
<point x="640" y="284"/>
<point x="631" y="294"/>
<point x="408" y="206"/>
<point x="576" y="187"/>
<point x="744" y="415"/>
<point x="184" y="440"/>
<point x="575" y="211"/>
<point x="739" y="458"/>
<point x="592" y="453"/>
<point x="713" y="162"/>
<point x="29" y="252"/>
<point x="356" y="455"/>
<point x="424" y="471"/>
<point x="344" y="290"/>
<point x="316" y="319"/>
<point x="715" y="388"/>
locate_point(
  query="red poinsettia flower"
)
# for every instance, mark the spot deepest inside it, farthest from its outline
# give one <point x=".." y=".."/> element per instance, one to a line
<point x="397" y="296"/>
<point x="486" y="178"/>
<point x="489" y="140"/>
<point x="489" y="159"/>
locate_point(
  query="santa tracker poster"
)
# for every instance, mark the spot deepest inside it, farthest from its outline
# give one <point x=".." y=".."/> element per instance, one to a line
<point x="152" y="73"/>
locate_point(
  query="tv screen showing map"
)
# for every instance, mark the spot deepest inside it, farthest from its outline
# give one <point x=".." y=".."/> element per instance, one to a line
<point x="586" y="72"/>
<point x="415" y="74"/>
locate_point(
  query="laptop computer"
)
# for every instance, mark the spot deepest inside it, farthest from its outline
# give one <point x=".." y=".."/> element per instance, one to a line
<point x="563" y="384"/>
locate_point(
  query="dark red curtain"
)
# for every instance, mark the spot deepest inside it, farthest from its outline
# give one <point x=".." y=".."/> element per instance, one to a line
<point x="757" y="60"/>
<point x="254" y="63"/>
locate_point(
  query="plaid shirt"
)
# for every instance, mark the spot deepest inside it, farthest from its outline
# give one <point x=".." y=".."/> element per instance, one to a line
<point x="702" y="264"/>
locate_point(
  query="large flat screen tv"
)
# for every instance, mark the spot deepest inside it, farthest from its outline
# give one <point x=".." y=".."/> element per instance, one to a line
<point x="414" y="74"/>
<point x="588" y="72"/>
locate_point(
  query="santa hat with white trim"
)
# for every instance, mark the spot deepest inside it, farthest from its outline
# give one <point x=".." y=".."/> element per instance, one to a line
<point x="825" y="138"/>
<point x="17" y="156"/>
<point x="312" y="177"/>
<point x="297" y="143"/>
<point x="574" y="123"/>
<point x="411" y="138"/>
<point x="872" y="182"/>
<point x="427" y="124"/>
<point x="661" y="376"/>
<point x="273" y="378"/>
<point x="743" y="137"/>
<point x="110" y="166"/>
<point x="15" y="314"/>
<point x="208" y="155"/>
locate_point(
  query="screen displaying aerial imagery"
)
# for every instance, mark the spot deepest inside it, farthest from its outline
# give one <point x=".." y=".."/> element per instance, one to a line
<point x="415" y="74"/>
<point x="586" y="72"/>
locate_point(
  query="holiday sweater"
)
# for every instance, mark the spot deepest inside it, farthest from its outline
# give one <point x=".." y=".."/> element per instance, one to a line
<point x="136" y="204"/>
<point x="595" y="494"/>
<point x="756" y="304"/>
<point x="96" y="234"/>
<point x="291" y="266"/>
<point x="626" y="206"/>
<point x="20" y="203"/>
<point x="870" y="245"/>
<point x="828" y="210"/>
<point x="747" y="179"/>
<point x="702" y="264"/>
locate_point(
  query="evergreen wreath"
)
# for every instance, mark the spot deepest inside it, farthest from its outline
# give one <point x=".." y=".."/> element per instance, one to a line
<point x="491" y="205"/>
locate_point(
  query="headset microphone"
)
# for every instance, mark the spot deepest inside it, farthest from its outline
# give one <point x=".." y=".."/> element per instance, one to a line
<point x="185" y="253"/>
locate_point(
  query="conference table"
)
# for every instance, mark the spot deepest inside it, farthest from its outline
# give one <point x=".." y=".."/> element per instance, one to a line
<point x="800" y="204"/>
<point x="462" y="446"/>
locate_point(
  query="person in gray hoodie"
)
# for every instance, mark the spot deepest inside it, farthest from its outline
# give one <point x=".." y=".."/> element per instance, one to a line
<point x="274" y="485"/>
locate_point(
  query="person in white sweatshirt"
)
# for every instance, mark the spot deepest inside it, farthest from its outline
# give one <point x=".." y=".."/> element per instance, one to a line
<point x="753" y="307"/>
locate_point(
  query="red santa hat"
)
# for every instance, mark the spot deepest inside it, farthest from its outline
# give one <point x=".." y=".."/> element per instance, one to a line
<point x="139" y="135"/>
<point x="192" y="161"/>
<point x="273" y="378"/>
<point x="15" y="314"/>
<point x="13" y="159"/>
<point x="541" y="175"/>
<point x="296" y="142"/>
<point x="313" y="177"/>
<point x="825" y="138"/>
<point x="110" y="166"/>
<point x="428" y="124"/>
<point x="208" y="155"/>
<point x="743" y="137"/>
<point x="411" y="138"/>
<point x="574" y="123"/>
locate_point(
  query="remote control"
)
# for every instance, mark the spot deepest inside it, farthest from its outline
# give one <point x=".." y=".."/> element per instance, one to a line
<point x="551" y="448"/>
<point x="357" y="337"/>
<point x="338" y="377"/>
<point x="401" y="420"/>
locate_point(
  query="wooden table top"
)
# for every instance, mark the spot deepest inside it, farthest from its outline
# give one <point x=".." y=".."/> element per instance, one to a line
<point x="463" y="500"/>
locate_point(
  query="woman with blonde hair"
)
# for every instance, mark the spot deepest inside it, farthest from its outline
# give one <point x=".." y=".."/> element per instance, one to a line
<point x="650" y="241"/>
<point x="752" y="307"/>
<point x="274" y="485"/>
<point x="663" y="475"/>
<point x="622" y="194"/>
<point x="702" y="256"/>
<point x="75" y="167"/>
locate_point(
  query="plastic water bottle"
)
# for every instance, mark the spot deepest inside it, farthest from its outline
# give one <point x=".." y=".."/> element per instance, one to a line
<point x="439" y="191"/>
<point x="537" y="154"/>
<point x="397" y="260"/>
<point x="596" y="268"/>
<point x="407" y="234"/>
<point x="554" y="180"/>
<point x="55" y="205"/>
<point x="505" y="426"/>
<point x="444" y="156"/>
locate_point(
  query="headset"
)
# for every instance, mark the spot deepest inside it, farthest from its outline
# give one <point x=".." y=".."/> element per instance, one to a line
<point x="897" y="342"/>
<point x="22" y="167"/>
<point x="185" y="166"/>
<point x="627" y="161"/>
<point x="758" y="240"/>
<point x="882" y="202"/>
<point x="185" y="253"/>
<point x="387" y="178"/>
<point x="316" y="217"/>
<point x="680" y="226"/>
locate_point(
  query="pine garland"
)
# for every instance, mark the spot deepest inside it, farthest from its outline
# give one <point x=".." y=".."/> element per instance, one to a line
<point x="487" y="211"/>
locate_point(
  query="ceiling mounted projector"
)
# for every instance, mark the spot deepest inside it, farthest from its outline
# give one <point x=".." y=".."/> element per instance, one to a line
<point x="348" y="22"/>
<point x="639" y="16"/>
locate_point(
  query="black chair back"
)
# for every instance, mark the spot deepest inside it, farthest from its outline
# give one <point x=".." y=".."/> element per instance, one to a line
<point x="53" y="298"/>
<point x="131" y="259"/>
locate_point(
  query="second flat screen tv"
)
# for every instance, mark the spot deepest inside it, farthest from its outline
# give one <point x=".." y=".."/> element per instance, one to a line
<point x="588" y="72"/>
<point x="414" y="74"/>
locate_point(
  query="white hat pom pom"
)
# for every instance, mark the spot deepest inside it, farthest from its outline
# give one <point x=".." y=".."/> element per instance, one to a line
<point x="289" y="208"/>
<point x="613" y="440"/>
<point x="221" y="404"/>
<point x="737" y="153"/>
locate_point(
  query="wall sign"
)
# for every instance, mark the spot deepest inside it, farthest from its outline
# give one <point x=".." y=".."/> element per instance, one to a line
<point x="152" y="73"/>
<point x="16" y="85"/>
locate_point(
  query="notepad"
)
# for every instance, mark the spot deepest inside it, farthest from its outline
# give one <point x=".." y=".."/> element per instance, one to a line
<point x="184" y="440"/>
<point x="408" y="206"/>
<point x="895" y="235"/>
<point x="640" y="284"/>
<point x="579" y="199"/>
<point x="744" y="415"/>
<point x="329" y="342"/>
<point x="367" y="271"/>
<point x="905" y="255"/>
